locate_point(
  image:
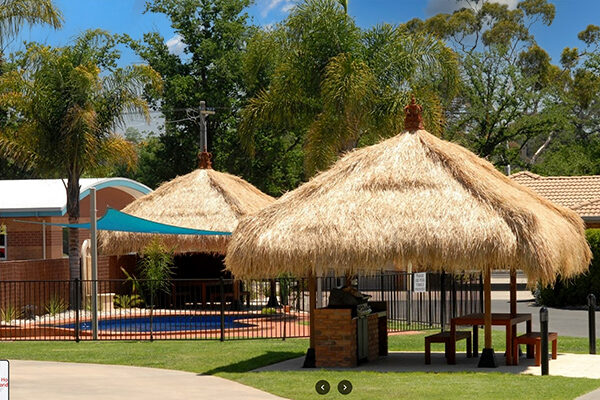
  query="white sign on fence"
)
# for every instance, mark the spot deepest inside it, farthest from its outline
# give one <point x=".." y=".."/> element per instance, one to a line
<point x="3" y="379"/>
<point x="420" y="285"/>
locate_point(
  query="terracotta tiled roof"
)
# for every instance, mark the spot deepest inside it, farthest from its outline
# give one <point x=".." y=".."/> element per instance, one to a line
<point x="589" y="209"/>
<point x="579" y="193"/>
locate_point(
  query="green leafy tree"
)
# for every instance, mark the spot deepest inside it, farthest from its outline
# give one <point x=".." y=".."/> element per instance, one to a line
<point x="506" y="110"/>
<point x="575" y="150"/>
<point x="503" y="114"/>
<point x="64" y="106"/>
<point x="213" y="35"/>
<point x="323" y="83"/>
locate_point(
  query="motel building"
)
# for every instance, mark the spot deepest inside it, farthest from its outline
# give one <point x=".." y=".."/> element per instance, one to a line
<point x="45" y="201"/>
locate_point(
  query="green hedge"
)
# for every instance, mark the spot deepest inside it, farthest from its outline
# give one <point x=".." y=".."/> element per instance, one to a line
<point x="574" y="292"/>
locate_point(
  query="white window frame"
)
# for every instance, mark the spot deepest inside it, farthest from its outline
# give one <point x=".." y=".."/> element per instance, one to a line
<point x="3" y="231"/>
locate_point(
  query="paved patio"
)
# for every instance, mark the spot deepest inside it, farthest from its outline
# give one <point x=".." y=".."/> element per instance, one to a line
<point x="70" y="381"/>
<point x="570" y="365"/>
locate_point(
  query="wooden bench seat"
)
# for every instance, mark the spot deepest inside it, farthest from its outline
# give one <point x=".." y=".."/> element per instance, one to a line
<point x="445" y="337"/>
<point x="535" y="339"/>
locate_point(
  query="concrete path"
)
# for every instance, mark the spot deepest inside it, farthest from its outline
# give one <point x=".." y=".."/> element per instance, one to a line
<point x="570" y="365"/>
<point x="73" y="381"/>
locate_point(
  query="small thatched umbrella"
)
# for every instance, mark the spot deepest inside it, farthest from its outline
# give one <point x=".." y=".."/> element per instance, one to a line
<point x="203" y="199"/>
<point x="413" y="199"/>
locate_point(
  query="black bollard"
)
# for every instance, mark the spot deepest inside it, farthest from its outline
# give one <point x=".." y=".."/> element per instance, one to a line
<point x="592" y="322"/>
<point x="544" y="331"/>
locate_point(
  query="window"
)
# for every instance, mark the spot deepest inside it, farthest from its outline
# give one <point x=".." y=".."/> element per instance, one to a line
<point x="2" y="242"/>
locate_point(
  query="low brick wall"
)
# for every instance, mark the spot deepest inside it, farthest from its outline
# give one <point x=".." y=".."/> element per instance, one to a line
<point x="27" y="286"/>
<point x="109" y="267"/>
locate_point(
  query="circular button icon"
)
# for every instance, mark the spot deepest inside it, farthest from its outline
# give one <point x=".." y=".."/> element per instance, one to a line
<point x="322" y="387"/>
<point x="344" y="387"/>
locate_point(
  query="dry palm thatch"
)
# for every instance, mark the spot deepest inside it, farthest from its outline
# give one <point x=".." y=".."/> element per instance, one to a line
<point x="414" y="199"/>
<point x="203" y="199"/>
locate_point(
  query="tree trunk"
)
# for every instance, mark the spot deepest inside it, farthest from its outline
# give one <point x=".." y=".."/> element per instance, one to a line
<point x="73" y="213"/>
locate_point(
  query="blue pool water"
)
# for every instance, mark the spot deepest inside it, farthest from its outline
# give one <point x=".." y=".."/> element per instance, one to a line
<point x="162" y="323"/>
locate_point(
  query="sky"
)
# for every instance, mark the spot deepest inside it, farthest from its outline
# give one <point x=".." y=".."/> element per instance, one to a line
<point x="126" y="16"/>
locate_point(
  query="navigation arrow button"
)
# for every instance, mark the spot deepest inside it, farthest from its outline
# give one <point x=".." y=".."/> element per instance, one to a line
<point x="345" y="387"/>
<point x="322" y="387"/>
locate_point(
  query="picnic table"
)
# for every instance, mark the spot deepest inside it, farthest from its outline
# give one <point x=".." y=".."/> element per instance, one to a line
<point x="502" y="319"/>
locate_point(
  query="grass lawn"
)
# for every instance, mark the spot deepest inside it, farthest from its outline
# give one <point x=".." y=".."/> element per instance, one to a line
<point x="234" y="360"/>
<point x="419" y="385"/>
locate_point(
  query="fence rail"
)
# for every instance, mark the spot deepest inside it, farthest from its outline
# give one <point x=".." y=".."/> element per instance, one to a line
<point x="216" y="309"/>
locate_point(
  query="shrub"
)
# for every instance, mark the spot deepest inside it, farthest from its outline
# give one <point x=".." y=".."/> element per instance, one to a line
<point x="268" y="311"/>
<point x="574" y="292"/>
<point x="127" y="300"/>
<point x="55" y="305"/>
<point x="156" y="268"/>
<point x="9" y="313"/>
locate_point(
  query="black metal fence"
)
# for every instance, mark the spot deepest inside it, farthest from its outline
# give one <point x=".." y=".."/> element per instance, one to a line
<point x="217" y="309"/>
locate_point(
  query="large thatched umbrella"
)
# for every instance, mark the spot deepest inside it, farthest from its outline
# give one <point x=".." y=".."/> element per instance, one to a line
<point x="203" y="199"/>
<point x="413" y="199"/>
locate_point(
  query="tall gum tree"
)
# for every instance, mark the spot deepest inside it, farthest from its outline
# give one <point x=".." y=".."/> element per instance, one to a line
<point x="505" y="110"/>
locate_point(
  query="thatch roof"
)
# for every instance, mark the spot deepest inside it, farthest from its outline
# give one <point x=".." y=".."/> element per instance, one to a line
<point x="414" y="199"/>
<point x="203" y="199"/>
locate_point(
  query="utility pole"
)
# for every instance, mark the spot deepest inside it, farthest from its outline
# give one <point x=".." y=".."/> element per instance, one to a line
<point x="203" y="113"/>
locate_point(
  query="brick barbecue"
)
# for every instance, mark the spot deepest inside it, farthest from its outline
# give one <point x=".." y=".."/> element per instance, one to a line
<point x="349" y="331"/>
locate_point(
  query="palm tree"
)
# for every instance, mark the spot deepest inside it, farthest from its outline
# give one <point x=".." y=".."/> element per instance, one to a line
<point x="14" y="14"/>
<point x="64" y="105"/>
<point x="338" y="87"/>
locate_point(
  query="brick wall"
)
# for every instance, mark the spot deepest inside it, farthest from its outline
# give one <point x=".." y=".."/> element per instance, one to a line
<point x="109" y="267"/>
<point x="29" y="270"/>
<point x="36" y="291"/>
<point x="335" y="338"/>
<point x="373" y="327"/>
<point x="30" y="284"/>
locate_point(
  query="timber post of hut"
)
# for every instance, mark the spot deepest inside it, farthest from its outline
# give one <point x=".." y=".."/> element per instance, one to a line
<point x="413" y="199"/>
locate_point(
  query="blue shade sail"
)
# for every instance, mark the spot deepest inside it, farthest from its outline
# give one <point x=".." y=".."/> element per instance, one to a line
<point x="115" y="220"/>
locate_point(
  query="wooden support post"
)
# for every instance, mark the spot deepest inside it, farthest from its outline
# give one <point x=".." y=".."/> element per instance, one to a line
<point x="487" y="359"/>
<point x="487" y="289"/>
<point x="513" y="292"/>
<point x="513" y="311"/>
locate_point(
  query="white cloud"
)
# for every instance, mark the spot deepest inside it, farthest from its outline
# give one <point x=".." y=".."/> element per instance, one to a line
<point x="176" y="45"/>
<point x="287" y="7"/>
<point x="269" y="6"/>
<point x="283" y="6"/>
<point x="447" y="6"/>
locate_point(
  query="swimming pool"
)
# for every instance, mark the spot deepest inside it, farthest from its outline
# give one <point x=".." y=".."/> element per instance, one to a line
<point x="163" y="323"/>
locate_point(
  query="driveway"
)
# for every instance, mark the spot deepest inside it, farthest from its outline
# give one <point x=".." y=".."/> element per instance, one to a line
<point x="565" y="322"/>
<point x="73" y="381"/>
